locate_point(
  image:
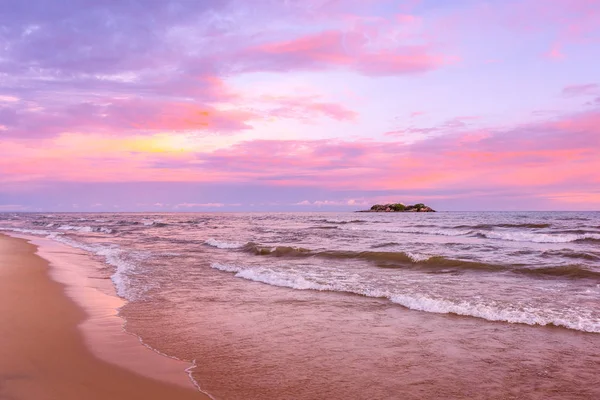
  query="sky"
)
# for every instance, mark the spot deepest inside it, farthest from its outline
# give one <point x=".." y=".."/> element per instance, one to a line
<point x="299" y="105"/>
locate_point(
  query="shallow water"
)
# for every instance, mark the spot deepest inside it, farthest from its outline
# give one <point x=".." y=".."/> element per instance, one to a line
<point x="357" y="305"/>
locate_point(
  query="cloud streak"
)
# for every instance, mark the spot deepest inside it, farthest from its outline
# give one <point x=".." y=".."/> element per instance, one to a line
<point x="360" y="98"/>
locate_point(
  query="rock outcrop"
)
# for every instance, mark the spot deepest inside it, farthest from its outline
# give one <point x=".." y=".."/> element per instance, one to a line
<point x="399" y="207"/>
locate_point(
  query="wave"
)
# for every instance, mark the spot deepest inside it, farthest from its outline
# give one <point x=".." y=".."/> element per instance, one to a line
<point x="571" y="254"/>
<point x="416" y="301"/>
<point x="223" y="245"/>
<point x="514" y="236"/>
<point x="492" y="226"/>
<point x="76" y="228"/>
<point x="195" y="221"/>
<point x="564" y="271"/>
<point x="589" y="239"/>
<point x="387" y="244"/>
<point x="85" y="229"/>
<point x="514" y="315"/>
<point x="589" y="230"/>
<point x="436" y="232"/>
<point x="340" y="221"/>
<point x="439" y="232"/>
<point x="277" y="251"/>
<point x="126" y="222"/>
<point x="385" y="259"/>
<point x="540" y="237"/>
<point x="574" y="219"/>
<point x="156" y="224"/>
<point x="424" y="262"/>
<point x="418" y="257"/>
<point x="114" y="256"/>
<point x="26" y="231"/>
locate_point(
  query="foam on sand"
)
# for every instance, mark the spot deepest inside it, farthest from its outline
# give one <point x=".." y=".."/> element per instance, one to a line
<point x="46" y="333"/>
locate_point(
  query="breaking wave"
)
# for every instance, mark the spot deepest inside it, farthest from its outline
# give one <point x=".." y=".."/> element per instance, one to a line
<point x="492" y="226"/>
<point x="156" y="224"/>
<point x="508" y="235"/>
<point x="419" y="261"/>
<point x="84" y="229"/>
<point x="116" y="257"/>
<point x="540" y="237"/>
<point x="340" y="221"/>
<point x="223" y="245"/>
<point x="416" y="301"/>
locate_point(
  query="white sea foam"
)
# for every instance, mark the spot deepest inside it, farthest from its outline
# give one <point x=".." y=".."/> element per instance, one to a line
<point x="113" y="256"/>
<point x="67" y="227"/>
<point x="223" y="245"/>
<point x="111" y="253"/>
<point x="76" y="228"/>
<point x="502" y="313"/>
<point x="226" y="267"/>
<point x="491" y="311"/>
<point x="436" y="232"/>
<point x="537" y="237"/>
<point x="84" y="229"/>
<point x="271" y="277"/>
<point x="151" y="223"/>
<point x="26" y="231"/>
<point x="515" y="236"/>
<point x="417" y="257"/>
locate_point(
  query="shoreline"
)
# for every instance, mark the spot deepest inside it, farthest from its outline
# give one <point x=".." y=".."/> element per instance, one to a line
<point x="62" y="337"/>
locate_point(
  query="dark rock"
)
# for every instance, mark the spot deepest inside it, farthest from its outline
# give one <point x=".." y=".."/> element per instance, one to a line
<point x="399" y="207"/>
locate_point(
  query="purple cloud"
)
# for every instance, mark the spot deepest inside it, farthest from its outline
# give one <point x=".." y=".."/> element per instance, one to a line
<point x="581" y="90"/>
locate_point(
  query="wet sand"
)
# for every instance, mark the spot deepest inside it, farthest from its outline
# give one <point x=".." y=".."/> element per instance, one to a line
<point x="43" y="354"/>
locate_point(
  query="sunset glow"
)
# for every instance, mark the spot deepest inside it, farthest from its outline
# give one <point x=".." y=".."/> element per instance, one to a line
<point x="296" y="105"/>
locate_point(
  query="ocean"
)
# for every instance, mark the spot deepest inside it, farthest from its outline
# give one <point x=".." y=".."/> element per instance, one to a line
<point x="356" y="305"/>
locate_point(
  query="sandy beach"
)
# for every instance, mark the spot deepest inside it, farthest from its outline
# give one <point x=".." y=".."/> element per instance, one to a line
<point x="43" y="354"/>
<point x="289" y="309"/>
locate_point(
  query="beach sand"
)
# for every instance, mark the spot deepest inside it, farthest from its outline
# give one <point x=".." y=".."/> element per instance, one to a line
<point x="43" y="354"/>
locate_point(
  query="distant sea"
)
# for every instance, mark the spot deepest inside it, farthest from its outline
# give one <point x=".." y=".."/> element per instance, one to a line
<point x="356" y="305"/>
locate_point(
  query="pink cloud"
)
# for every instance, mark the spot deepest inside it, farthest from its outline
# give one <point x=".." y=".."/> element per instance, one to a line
<point x="320" y="203"/>
<point x="412" y="130"/>
<point x="119" y="116"/>
<point x="555" y="53"/>
<point x="555" y="156"/>
<point x="527" y="156"/>
<point x="179" y="116"/>
<point x="336" y="49"/>
<point x="576" y="197"/>
<point x="307" y="108"/>
<point x="452" y="124"/>
<point x="406" y="18"/>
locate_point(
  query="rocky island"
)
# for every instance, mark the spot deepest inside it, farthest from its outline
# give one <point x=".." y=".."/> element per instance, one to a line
<point x="399" y="207"/>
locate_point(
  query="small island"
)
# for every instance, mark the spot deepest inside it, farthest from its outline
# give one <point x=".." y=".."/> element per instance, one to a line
<point x="399" y="207"/>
